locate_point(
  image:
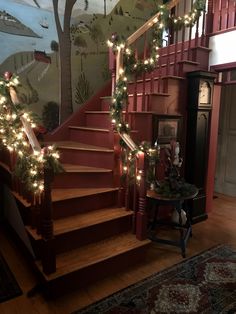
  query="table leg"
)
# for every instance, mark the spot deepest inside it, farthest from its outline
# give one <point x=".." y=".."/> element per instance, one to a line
<point x="181" y="231"/>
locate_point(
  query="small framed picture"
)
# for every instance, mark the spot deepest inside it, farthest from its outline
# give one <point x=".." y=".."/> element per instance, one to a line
<point x="166" y="128"/>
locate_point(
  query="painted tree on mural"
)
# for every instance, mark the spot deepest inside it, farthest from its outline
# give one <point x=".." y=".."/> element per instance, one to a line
<point x="105" y="8"/>
<point x="63" y="31"/>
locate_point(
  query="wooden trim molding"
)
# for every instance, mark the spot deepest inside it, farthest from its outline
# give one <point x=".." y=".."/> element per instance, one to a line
<point x="223" y="66"/>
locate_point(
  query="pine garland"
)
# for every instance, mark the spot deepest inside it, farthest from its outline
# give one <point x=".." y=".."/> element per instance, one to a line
<point x="132" y="65"/>
<point x="29" y="165"/>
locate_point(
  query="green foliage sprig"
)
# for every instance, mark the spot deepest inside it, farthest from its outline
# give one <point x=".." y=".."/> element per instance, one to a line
<point x="174" y="185"/>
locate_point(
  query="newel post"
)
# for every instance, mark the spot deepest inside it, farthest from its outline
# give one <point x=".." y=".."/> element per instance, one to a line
<point x="48" y="249"/>
<point x="141" y="220"/>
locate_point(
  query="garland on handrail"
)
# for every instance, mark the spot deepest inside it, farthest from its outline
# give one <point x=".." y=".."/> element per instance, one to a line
<point x="133" y="65"/>
<point x="29" y="165"/>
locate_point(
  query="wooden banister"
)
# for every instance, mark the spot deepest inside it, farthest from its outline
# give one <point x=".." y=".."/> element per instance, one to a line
<point x="145" y="27"/>
<point x="42" y="211"/>
<point x="27" y="127"/>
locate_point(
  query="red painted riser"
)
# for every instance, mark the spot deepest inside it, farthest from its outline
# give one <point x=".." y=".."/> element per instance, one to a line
<point x="87" y="158"/>
<point x="139" y="87"/>
<point x="154" y="103"/>
<point x="83" y="180"/>
<point x="95" y="272"/>
<point x="77" y="205"/>
<point x="105" y="104"/>
<point x="87" y="235"/>
<point x="98" y="120"/>
<point x="97" y="138"/>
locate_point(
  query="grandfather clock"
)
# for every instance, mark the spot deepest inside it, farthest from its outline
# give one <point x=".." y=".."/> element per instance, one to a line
<point x="199" y="106"/>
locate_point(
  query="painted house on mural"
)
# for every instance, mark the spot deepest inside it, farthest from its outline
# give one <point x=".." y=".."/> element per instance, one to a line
<point x="183" y="92"/>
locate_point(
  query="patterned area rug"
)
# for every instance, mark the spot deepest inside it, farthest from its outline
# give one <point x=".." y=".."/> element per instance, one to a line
<point x="8" y="286"/>
<point x="205" y="283"/>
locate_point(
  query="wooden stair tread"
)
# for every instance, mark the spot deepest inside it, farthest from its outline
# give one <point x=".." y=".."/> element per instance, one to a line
<point x="21" y="199"/>
<point x="106" y="97"/>
<point x="189" y="62"/>
<point x="88" y="128"/>
<point x="98" y="111"/>
<point x="154" y="94"/>
<point x="83" y="220"/>
<point x="92" y="254"/>
<point x="81" y="146"/>
<point x="83" y="169"/>
<point x="87" y="219"/>
<point x="64" y="194"/>
<point x="175" y="77"/>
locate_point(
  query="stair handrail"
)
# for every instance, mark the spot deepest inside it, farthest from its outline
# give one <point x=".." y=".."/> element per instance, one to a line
<point x="137" y="34"/>
<point x="146" y="26"/>
<point x="140" y="217"/>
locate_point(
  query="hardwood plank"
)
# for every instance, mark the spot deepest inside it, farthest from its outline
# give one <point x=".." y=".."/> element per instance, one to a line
<point x="84" y="220"/>
<point x="82" y="169"/>
<point x="80" y="146"/>
<point x="63" y="194"/>
<point x="88" y="129"/>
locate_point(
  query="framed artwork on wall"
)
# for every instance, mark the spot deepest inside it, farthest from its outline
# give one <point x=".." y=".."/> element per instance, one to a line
<point x="166" y="128"/>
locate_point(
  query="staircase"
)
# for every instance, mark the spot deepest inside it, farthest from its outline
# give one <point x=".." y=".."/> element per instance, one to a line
<point x="93" y="233"/>
<point x="92" y="230"/>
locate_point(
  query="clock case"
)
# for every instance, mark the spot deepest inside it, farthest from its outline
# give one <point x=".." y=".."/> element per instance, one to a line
<point x="197" y="138"/>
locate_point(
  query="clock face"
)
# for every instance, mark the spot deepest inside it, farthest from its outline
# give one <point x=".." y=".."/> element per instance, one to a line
<point x="204" y="93"/>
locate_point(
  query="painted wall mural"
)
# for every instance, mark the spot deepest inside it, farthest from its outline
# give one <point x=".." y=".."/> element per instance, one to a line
<point x="41" y="39"/>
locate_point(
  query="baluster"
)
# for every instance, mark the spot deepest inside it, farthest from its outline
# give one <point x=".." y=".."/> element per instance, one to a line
<point x="223" y="19"/>
<point x="190" y="35"/>
<point x="176" y="52"/>
<point x="35" y="217"/>
<point x="231" y="13"/>
<point x="214" y="18"/>
<point x="197" y="33"/>
<point x="176" y="39"/>
<point x="234" y="13"/>
<point x="183" y="36"/>
<point x="127" y="186"/>
<point x="118" y="168"/>
<point x="210" y="20"/>
<point x="151" y="85"/>
<point x="112" y="68"/>
<point x="144" y="75"/>
<point x="48" y="249"/>
<point x="203" y="29"/>
<point x="141" y="220"/>
<point x="12" y="166"/>
<point x="227" y="14"/>
<point x="220" y="21"/>
<point x="160" y="69"/>
<point x="134" y="199"/>
<point x="168" y="55"/>
<point x="135" y="85"/>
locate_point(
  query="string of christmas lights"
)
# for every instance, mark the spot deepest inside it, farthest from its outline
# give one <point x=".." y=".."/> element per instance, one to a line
<point x="13" y="135"/>
<point x="133" y="65"/>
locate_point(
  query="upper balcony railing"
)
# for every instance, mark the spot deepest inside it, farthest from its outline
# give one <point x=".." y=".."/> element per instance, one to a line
<point x="224" y="15"/>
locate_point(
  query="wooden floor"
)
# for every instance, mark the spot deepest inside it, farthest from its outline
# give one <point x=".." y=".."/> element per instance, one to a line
<point x="219" y="228"/>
